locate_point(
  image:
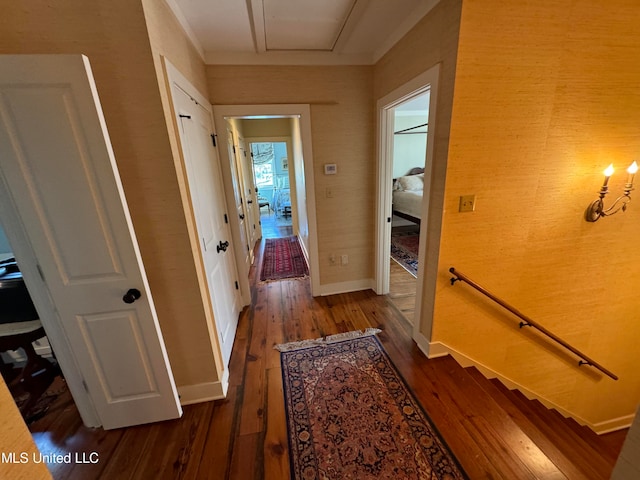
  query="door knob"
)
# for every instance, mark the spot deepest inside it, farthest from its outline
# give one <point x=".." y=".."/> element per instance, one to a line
<point x="241" y="216"/>
<point x="131" y="296"/>
<point x="249" y="201"/>
<point x="222" y="247"/>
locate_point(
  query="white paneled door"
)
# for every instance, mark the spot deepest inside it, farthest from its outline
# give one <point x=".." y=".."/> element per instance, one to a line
<point x="207" y="197"/>
<point x="239" y="199"/>
<point x="61" y="176"/>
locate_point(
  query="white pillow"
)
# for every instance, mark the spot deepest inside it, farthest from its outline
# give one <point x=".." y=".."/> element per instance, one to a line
<point x="411" y="182"/>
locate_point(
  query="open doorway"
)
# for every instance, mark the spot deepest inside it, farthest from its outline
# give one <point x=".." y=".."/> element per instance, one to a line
<point x="410" y="128"/>
<point x="27" y="363"/>
<point x="270" y="165"/>
<point x="284" y="191"/>
<point x="409" y="108"/>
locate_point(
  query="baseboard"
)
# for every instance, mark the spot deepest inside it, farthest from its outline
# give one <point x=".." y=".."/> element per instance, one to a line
<point x="303" y="247"/>
<point x="204" y="392"/>
<point x="345" y="287"/>
<point x="438" y="349"/>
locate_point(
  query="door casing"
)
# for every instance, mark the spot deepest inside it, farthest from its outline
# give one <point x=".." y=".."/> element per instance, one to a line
<point x="426" y="81"/>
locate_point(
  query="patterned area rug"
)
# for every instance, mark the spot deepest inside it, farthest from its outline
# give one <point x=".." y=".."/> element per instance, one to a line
<point x="404" y="250"/>
<point x="283" y="258"/>
<point x="351" y="416"/>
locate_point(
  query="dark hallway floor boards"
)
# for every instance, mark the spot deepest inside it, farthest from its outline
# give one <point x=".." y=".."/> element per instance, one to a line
<point x="494" y="433"/>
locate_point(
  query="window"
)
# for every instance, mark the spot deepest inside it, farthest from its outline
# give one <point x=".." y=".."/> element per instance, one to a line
<point x="263" y="156"/>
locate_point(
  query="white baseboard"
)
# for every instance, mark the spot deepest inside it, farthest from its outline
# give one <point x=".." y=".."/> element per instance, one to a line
<point x="439" y="349"/>
<point x="204" y="392"/>
<point x="345" y="287"/>
<point x="303" y="247"/>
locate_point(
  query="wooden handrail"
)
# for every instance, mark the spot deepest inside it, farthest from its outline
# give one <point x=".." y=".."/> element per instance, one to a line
<point x="526" y="321"/>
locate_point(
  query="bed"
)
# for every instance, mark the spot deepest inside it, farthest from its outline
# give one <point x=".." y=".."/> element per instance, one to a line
<point x="407" y="195"/>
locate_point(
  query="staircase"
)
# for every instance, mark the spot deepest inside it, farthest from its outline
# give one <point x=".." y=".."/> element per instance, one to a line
<point x="520" y="438"/>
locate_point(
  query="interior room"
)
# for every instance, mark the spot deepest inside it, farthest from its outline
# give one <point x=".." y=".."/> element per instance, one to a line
<point x="410" y="128"/>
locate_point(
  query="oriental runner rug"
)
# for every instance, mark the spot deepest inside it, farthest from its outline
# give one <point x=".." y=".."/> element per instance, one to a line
<point x="283" y="258"/>
<point x="350" y="415"/>
<point x="404" y="250"/>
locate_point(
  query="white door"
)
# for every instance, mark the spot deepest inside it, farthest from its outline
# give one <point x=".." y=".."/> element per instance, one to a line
<point x="58" y="165"/>
<point x="251" y="199"/>
<point x="207" y="197"/>
<point x="239" y="201"/>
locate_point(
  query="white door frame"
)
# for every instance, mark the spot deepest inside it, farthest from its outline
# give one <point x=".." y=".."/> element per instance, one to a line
<point x="303" y="112"/>
<point x="292" y="179"/>
<point x="426" y="81"/>
<point x="24" y="253"/>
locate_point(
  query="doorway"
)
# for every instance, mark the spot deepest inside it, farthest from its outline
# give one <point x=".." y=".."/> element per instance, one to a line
<point x="410" y="128"/>
<point x="275" y="123"/>
<point x="270" y="166"/>
<point x="410" y="98"/>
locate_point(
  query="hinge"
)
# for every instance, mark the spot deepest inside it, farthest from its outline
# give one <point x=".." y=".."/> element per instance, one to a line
<point x="247" y="248"/>
<point x="40" y="272"/>
<point x="213" y="139"/>
<point x="388" y="219"/>
<point x="226" y="219"/>
<point x="245" y="153"/>
<point x="234" y="149"/>
<point x="254" y="226"/>
<point x="204" y="244"/>
<point x="84" y="384"/>
<point x="237" y="286"/>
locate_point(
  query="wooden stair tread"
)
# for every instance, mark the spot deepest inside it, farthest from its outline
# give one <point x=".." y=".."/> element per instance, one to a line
<point x="584" y="456"/>
<point x="490" y="425"/>
<point x="547" y="445"/>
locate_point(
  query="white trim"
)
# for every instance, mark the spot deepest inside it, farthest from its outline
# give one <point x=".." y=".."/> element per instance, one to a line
<point x="439" y="349"/>
<point x="303" y="111"/>
<point x="23" y="251"/>
<point x="285" y="58"/>
<point x="345" y="287"/>
<point x="305" y="253"/>
<point x="204" y="392"/>
<point x="184" y="23"/>
<point x="426" y="81"/>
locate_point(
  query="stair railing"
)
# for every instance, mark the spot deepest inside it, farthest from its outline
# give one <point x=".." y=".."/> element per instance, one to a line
<point x="528" y="322"/>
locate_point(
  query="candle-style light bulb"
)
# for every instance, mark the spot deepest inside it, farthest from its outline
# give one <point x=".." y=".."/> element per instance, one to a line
<point x="633" y="168"/>
<point x="607" y="173"/>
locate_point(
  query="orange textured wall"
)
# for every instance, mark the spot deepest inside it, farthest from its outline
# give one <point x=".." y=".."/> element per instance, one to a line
<point x="545" y="98"/>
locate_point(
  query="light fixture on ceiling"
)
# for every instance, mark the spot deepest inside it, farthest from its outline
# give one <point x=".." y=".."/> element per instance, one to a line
<point x="597" y="210"/>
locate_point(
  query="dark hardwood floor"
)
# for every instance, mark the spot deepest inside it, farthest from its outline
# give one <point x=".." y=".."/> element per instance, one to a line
<point x="494" y="433"/>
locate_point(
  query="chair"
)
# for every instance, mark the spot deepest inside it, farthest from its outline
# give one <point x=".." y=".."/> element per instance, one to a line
<point x="263" y="202"/>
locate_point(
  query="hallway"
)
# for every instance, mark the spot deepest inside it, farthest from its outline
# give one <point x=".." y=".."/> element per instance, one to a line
<point x="243" y="437"/>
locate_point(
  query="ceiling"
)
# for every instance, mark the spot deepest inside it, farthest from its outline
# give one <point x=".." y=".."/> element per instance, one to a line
<point x="297" y="32"/>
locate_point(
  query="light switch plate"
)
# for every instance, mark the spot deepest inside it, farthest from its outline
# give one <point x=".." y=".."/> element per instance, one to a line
<point x="467" y="203"/>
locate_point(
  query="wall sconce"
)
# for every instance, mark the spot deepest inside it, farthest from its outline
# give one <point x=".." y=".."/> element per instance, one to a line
<point x="597" y="210"/>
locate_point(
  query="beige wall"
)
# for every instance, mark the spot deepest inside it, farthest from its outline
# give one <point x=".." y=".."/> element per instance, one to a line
<point x="302" y="227"/>
<point x="342" y="133"/>
<point x="114" y="37"/>
<point x="431" y="42"/>
<point x="545" y="98"/>
<point x="272" y="127"/>
<point x="170" y="43"/>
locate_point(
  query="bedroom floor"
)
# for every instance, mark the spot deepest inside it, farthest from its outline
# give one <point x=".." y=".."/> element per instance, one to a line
<point x="403" y="285"/>
<point x="402" y="290"/>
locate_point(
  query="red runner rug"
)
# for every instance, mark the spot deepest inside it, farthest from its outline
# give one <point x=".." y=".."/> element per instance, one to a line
<point x="350" y="415"/>
<point x="283" y="258"/>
